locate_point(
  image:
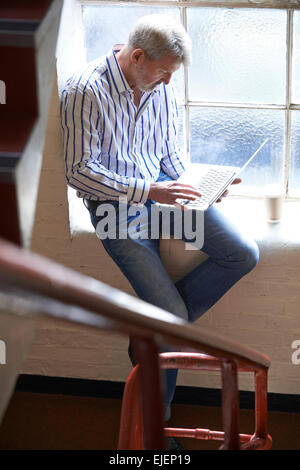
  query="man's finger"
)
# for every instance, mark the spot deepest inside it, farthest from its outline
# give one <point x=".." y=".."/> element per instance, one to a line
<point x="186" y="192"/>
<point x="185" y="185"/>
<point x="237" y="181"/>
<point x="188" y="188"/>
<point x="226" y="192"/>
<point x="186" y="196"/>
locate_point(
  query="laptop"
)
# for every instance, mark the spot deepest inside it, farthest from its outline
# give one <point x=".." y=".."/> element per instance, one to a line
<point x="211" y="180"/>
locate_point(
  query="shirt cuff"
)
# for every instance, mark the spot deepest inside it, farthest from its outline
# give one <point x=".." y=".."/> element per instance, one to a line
<point x="138" y="190"/>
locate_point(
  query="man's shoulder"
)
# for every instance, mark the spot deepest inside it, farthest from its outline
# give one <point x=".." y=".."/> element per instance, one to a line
<point x="85" y="78"/>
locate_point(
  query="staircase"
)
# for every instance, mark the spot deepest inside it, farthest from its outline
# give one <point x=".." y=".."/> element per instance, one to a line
<point x="28" y="37"/>
<point x="28" y="34"/>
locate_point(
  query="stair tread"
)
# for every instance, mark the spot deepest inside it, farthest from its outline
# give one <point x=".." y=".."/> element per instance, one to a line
<point x="14" y="132"/>
<point x="16" y="9"/>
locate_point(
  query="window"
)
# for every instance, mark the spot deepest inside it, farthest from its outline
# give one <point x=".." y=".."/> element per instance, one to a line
<point x="243" y="84"/>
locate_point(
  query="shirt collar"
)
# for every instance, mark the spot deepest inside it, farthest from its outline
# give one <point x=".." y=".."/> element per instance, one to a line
<point x="118" y="79"/>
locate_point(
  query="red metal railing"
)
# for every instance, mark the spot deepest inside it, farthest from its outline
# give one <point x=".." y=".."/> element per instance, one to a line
<point x="54" y="290"/>
<point x="131" y="434"/>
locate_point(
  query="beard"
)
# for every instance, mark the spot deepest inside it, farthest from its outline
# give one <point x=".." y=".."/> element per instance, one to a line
<point x="147" y="87"/>
<point x="142" y="82"/>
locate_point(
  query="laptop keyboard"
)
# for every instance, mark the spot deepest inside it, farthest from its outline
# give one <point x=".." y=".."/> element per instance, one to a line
<point x="211" y="184"/>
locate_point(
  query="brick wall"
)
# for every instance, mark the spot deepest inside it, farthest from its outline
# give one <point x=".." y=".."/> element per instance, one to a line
<point x="261" y="311"/>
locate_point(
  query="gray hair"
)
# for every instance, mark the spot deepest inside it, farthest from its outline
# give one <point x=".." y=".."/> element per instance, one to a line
<point x="158" y="35"/>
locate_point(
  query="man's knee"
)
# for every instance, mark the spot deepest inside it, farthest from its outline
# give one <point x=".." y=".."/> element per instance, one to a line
<point x="251" y="257"/>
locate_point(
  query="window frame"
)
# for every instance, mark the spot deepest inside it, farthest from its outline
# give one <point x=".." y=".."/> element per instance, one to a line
<point x="288" y="107"/>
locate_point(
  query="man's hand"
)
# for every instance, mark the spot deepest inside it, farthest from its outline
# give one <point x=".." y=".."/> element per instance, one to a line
<point x="167" y="192"/>
<point x="236" y="181"/>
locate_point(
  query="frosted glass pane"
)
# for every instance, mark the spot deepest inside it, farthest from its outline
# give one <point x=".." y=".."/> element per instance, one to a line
<point x="100" y="35"/>
<point x="294" y="183"/>
<point x="238" y="55"/>
<point x="230" y="136"/>
<point x="296" y="59"/>
<point x="105" y="26"/>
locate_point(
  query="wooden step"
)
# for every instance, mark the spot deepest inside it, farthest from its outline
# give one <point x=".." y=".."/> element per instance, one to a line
<point x="28" y="35"/>
<point x="24" y="10"/>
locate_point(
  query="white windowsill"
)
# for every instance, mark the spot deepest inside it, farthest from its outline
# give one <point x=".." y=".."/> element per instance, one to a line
<point x="250" y="214"/>
<point x="79" y="218"/>
<point x="247" y="213"/>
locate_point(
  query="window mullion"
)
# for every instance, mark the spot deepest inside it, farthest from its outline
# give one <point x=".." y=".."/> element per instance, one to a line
<point x="216" y="104"/>
<point x="289" y="52"/>
<point x="183" y="12"/>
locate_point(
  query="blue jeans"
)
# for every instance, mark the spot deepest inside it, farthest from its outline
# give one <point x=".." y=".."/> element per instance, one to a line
<point x="231" y="256"/>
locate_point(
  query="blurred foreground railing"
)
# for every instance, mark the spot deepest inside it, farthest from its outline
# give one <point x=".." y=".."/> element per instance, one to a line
<point x="33" y="285"/>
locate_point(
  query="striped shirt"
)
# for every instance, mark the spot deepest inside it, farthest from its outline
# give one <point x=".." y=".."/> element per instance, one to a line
<point x="113" y="149"/>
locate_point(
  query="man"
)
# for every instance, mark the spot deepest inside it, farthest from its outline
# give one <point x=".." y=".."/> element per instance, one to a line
<point x="119" y="123"/>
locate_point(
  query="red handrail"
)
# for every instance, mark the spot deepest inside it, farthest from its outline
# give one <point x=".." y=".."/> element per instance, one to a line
<point x="102" y="306"/>
<point x="131" y="434"/>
